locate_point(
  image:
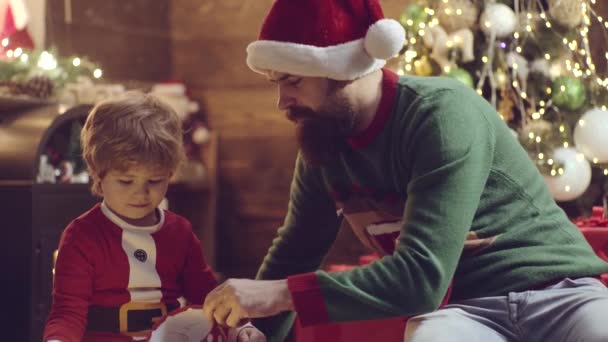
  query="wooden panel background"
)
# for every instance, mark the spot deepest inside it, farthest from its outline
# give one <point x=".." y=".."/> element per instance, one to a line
<point x="129" y="39"/>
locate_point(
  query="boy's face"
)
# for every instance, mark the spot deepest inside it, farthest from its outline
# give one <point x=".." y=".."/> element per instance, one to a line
<point x="135" y="193"/>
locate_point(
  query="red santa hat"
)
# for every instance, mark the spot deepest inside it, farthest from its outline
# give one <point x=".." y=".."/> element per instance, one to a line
<point x="337" y="39"/>
<point x="13" y="17"/>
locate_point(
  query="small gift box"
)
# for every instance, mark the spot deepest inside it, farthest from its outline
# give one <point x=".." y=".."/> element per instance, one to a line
<point x="595" y="229"/>
<point x="597" y="219"/>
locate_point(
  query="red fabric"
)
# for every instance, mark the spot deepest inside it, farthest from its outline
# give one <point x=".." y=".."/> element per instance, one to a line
<point x="307" y="299"/>
<point x="374" y="330"/>
<point x="597" y="219"/>
<point x="9" y="23"/>
<point x="386" y="330"/>
<point x="595" y="230"/>
<point x="320" y="23"/>
<point x="385" y="241"/>
<point x="387" y="101"/>
<point x="598" y="239"/>
<point x="92" y="270"/>
<point x="18" y="38"/>
<point x="375" y="9"/>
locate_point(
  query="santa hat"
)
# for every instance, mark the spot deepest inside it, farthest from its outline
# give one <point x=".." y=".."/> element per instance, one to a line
<point x="13" y="16"/>
<point x="337" y="39"/>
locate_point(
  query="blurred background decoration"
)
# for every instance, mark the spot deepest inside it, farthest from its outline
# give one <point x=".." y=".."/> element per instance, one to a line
<point x="28" y="72"/>
<point x="40" y="74"/>
<point x="533" y="61"/>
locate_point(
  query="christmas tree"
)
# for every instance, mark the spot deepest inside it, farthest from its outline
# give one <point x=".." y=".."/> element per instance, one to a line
<point x="532" y="60"/>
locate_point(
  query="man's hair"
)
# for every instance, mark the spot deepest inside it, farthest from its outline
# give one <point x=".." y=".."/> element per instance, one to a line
<point x="129" y="130"/>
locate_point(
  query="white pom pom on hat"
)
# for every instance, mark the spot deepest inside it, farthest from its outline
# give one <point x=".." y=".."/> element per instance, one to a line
<point x="338" y="39"/>
<point x="384" y="39"/>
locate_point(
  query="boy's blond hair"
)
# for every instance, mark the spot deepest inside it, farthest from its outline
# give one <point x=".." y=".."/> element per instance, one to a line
<point x="133" y="129"/>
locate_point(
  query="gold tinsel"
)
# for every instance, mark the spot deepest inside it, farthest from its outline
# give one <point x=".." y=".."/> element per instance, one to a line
<point x="505" y="107"/>
<point x="501" y="78"/>
<point x="539" y="127"/>
<point x="423" y="67"/>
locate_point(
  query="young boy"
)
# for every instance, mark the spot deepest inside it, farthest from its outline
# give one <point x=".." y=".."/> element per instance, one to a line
<point x="125" y="263"/>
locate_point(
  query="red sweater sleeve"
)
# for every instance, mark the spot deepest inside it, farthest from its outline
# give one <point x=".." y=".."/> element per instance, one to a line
<point x="72" y="288"/>
<point x="198" y="277"/>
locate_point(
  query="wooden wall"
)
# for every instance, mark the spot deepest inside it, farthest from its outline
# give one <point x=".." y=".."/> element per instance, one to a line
<point x="256" y="149"/>
<point x="129" y="39"/>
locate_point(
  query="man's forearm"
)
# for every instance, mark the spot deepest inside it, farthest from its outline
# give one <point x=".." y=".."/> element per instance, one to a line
<point x="285" y="301"/>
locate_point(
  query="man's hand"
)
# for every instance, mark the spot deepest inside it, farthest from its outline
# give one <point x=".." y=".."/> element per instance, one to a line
<point x="239" y="299"/>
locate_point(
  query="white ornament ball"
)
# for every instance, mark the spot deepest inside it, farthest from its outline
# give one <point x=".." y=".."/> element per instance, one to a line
<point x="575" y="179"/>
<point x="568" y="13"/>
<point x="498" y="18"/>
<point x="201" y="135"/>
<point x="591" y="135"/>
<point x="541" y="66"/>
<point x="384" y="39"/>
<point x="454" y="15"/>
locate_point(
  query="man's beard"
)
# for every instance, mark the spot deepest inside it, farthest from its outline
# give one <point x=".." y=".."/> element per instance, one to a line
<point x="322" y="135"/>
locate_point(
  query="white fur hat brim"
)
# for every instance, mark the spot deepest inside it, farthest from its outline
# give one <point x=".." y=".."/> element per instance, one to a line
<point x="347" y="61"/>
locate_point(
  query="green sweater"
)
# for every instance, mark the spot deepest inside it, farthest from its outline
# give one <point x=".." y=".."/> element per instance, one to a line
<point x="472" y="210"/>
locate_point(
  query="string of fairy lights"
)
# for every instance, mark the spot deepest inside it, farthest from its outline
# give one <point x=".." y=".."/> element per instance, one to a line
<point x="46" y="61"/>
<point x="531" y="16"/>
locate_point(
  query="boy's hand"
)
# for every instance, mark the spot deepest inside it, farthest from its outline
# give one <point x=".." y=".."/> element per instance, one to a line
<point x="250" y="334"/>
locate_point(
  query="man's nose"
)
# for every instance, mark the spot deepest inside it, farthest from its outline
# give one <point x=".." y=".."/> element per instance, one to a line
<point x="285" y="100"/>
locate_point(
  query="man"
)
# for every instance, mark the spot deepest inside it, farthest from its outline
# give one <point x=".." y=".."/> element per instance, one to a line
<point x="426" y="162"/>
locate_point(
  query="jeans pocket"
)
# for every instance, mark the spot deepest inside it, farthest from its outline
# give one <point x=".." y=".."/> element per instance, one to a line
<point x="591" y="282"/>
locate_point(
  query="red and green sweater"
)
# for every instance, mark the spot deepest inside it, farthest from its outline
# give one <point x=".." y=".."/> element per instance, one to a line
<point x="440" y="165"/>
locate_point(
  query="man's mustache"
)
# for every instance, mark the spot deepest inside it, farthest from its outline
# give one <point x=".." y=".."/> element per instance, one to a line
<point x="296" y="114"/>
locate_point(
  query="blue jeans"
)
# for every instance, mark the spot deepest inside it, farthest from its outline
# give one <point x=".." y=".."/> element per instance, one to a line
<point x="570" y="311"/>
